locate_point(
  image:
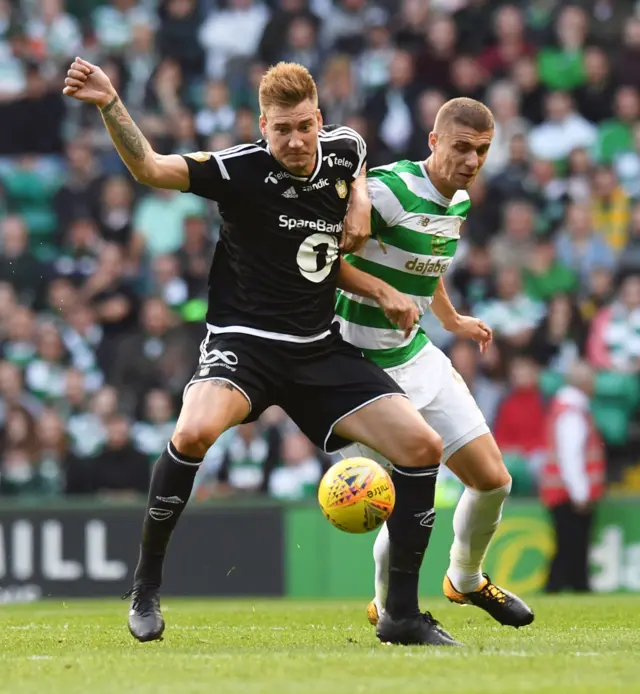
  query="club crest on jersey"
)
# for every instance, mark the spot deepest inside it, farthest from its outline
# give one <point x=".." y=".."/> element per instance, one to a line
<point x="439" y="244"/>
<point x="341" y="187"/>
<point x="199" y="156"/>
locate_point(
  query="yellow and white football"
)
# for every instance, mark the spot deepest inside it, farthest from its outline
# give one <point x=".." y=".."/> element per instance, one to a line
<point x="356" y="495"/>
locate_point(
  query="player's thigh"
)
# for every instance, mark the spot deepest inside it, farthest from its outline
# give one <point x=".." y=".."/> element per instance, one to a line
<point x="359" y="450"/>
<point x="469" y="449"/>
<point x="479" y="464"/>
<point x="209" y="408"/>
<point x="228" y="388"/>
<point x="336" y="396"/>
<point x="392" y="427"/>
<point x="420" y="380"/>
<point x="452" y="411"/>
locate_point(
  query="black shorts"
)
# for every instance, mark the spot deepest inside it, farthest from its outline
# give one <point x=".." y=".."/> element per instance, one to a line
<point x="316" y="383"/>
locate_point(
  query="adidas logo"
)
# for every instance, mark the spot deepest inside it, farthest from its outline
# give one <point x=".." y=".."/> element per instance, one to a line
<point x="290" y="193"/>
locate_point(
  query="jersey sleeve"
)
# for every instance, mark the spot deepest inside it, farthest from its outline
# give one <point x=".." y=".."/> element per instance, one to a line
<point x="208" y="175"/>
<point x="360" y="152"/>
<point x="347" y="143"/>
<point x="386" y="210"/>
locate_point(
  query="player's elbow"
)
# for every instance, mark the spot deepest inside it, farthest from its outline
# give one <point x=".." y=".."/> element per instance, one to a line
<point x="141" y="177"/>
<point x="147" y="175"/>
<point x="160" y="171"/>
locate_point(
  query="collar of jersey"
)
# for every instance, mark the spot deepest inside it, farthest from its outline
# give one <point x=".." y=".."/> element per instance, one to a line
<point x="302" y="178"/>
<point x="432" y="192"/>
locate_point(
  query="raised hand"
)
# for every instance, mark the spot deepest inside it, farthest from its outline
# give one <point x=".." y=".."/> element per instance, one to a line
<point x="88" y="83"/>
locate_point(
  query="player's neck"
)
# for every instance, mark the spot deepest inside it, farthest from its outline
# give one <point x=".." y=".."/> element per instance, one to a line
<point x="438" y="183"/>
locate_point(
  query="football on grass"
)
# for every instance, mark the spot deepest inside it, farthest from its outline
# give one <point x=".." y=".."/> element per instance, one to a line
<point x="356" y="495"/>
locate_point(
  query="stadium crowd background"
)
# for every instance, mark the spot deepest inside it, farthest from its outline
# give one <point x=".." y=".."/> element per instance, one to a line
<point x="103" y="282"/>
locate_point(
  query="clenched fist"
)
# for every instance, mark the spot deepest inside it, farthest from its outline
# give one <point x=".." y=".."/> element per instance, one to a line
<point x="88" y="83"/>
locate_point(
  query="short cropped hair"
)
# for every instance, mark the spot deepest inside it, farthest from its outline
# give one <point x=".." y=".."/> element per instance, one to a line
<point x="287" y="84"/>
<point x="467" y="112"/>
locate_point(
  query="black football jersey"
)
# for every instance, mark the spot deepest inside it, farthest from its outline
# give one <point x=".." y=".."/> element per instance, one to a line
<point x="275" y="266"/>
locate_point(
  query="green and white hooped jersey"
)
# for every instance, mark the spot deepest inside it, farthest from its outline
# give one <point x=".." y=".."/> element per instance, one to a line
<point x="420" y="230"/>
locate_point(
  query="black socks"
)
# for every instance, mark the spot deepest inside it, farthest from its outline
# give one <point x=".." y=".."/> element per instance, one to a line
<point x="171" y="484"/>
<point x="410" y="527"/>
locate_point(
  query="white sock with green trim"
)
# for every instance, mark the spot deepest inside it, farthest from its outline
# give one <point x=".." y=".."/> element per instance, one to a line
<point x="475" y="522"/>
<point x="381" y="558"/>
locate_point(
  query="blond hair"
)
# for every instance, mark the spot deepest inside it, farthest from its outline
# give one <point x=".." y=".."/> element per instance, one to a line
<point x="464" y="111"/>
<point x="286" y="84"/>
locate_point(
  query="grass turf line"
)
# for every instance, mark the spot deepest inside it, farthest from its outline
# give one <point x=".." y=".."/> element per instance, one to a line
<point x="586" y="644"/>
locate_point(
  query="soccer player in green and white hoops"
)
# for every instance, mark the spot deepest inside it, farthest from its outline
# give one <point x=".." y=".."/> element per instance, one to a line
<point x="417" y="211"/>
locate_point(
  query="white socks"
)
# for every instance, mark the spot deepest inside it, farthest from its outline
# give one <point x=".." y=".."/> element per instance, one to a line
<point x="381" y="558"/>
<point x="475" y="521"/>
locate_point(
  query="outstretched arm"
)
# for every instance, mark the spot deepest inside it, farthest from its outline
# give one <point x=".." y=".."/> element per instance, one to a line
<point x="451" y="320"/>
<point x="88" y="83"/>
<point x="399" y="309"/>
<point x="148" y="167"/>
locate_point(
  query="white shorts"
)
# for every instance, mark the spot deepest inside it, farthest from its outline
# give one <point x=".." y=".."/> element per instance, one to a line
<point x="441" y="396"/>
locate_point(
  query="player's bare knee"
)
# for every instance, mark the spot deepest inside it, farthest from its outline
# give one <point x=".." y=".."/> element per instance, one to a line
<point x="494" y="477"/>
<point x="423" y="448"/>
<point x="194" y="437"/>
<point x="432" y="448"/>
<point x="209" y="409"/>
<point x="501" y="479"/>
<point x="508" y="481"/>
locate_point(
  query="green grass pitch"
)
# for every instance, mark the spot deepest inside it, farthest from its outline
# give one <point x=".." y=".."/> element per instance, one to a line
<point x="577" y="644"/>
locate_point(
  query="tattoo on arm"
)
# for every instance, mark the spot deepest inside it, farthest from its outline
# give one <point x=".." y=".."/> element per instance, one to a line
<point x="125" y="133"/>
<point x="110" y="105"/>
<point x="221" y="383"/>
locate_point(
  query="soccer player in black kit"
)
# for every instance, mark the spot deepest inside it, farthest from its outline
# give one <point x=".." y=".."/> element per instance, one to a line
<point x="270" y="334"/>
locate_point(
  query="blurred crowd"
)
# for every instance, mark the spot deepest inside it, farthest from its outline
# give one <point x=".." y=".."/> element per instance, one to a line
<point x="103" y="282"/>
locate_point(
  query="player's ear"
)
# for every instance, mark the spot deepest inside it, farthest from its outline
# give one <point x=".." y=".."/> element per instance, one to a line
<point x="263" y="125"/>
<point x="320" y="119"/>
<point x="433" y="139"/>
